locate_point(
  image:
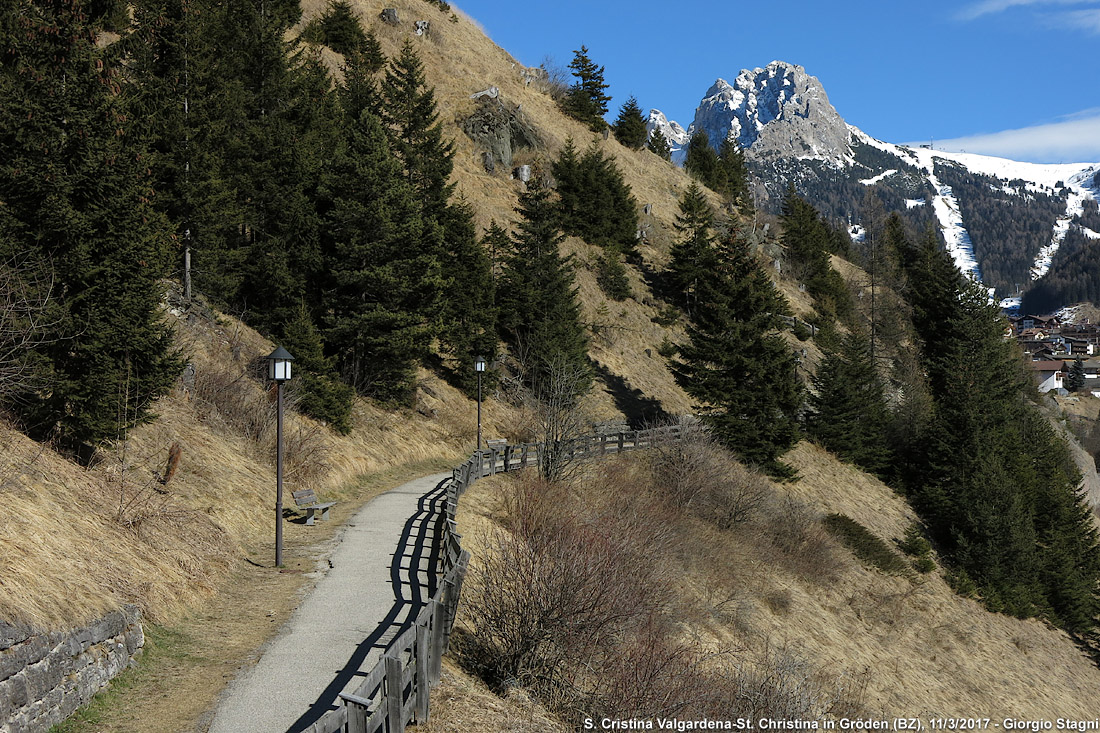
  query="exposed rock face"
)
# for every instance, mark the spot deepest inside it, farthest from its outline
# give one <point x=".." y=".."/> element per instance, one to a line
<point x="779" y="110"/>
<point x="500" y="129"/>
<point x="673" y="131"/>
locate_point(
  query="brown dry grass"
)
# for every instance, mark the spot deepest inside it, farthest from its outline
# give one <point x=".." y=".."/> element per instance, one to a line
<point x="899" y="646"/>
<point x="77" y="542"/>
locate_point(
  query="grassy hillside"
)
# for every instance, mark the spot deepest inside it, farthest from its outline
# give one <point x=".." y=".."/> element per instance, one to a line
<point x="75" y="542"/>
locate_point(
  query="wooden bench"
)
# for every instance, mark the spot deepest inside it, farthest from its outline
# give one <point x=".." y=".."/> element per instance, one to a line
<point x="307" y="499"/>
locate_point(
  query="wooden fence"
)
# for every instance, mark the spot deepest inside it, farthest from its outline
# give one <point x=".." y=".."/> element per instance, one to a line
<point x="395" y="692"/>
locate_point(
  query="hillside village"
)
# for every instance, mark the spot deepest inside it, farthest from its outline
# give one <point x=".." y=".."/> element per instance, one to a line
<point x="805" y="557"/>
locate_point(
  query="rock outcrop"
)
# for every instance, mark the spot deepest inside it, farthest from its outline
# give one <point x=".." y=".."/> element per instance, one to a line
<point x="779" y="110"/>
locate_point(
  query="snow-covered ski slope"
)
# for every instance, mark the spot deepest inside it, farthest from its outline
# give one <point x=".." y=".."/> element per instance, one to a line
<point x="1076" y="177"/>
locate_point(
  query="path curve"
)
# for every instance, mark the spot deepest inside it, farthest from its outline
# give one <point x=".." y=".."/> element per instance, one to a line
<point x="378" y="582"/>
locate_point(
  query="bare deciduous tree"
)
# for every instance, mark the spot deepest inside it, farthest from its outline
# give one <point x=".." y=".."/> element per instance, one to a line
<point x="25" y="325"/>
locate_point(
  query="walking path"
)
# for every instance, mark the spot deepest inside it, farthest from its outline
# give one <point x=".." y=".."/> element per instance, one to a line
<point x="378" y="582"/>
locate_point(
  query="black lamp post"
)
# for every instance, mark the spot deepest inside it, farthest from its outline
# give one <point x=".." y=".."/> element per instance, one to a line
<point x="479" y="367"/>
<point x="278" y="369"/>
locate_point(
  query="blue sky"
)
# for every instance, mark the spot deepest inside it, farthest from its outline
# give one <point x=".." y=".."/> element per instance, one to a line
<point x="1016" y="78"/>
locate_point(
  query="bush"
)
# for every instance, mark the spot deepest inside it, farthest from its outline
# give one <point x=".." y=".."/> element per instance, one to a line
<point x="867" y="546"/>
<point x="700" y="476"/>
<point x="668" y="348"/>
<point x="919" y="548"/>
<point x="611" y="277"/>
<point x="554" y="588"/>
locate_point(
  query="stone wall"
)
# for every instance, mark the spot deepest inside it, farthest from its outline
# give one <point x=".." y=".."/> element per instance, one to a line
<point x="45" y="677"/>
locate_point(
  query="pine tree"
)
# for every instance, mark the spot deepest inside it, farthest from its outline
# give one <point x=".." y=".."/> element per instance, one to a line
<point x="691" y="254"/>
<point x="734" y="177"/>
<point x="318" y="389"/>
<point x="1075" y="382"/>
<point x="848" y="412"/>
<point x="595" y="201"/>
<point x="658" y="145"/>
<point x="630" y="125"/>
<point x="808" y="239"/>
<point x="341" y="28"/>
<point x="735" y="364"/>
<point x="359" y="91"/>
<point x="384" y="282"/>
<point x="586" y="100"/>
<point x="409" y="111"/>
<point x="540" y="317"/>
<point x="76" y="190"/>
<point x="702" y="163"/>
<point x="469" y="311"/>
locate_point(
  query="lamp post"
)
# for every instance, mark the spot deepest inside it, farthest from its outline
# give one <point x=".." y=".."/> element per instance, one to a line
<point x="479" y="367"/>
<point x="278" y="369"/>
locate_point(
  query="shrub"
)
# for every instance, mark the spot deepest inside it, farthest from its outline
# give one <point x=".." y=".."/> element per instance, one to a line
<point x="611" y="276"/>
<point x="701" y="477"/>
<point x="668" y="348"/>
<point x="867" y="546"/>
<point x="919" y="548"/>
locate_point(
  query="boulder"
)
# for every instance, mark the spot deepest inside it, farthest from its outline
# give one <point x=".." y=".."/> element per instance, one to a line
<point x="490" y="93"/>
<point x="389" y="16"/>
<point x="523" y="173"/>
<point x="499" y="129"/>
<point x="422" y="27"/>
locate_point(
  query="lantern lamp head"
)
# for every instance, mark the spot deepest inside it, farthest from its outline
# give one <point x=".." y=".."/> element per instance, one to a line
<point x="479" y="364"/>
<point x="278" y="364"/>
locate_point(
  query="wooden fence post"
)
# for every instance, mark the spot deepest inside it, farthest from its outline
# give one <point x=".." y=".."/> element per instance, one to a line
<point x="423" y="682"/>
<point x="395" y="693"/>
<point x="435" y="653"/>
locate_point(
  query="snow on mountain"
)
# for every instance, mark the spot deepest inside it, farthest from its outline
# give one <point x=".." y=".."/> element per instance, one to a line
<point x="1077" y="178"/>
<point x="673" y="131"/>
<point x="781" y="116"/>
<point x="777" y="110"/>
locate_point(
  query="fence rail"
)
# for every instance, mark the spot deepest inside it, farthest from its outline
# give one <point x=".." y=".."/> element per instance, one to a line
<point x="395" y="692"/>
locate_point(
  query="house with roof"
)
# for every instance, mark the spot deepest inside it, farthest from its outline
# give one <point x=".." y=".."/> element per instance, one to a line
<point x="1051" y="374"/>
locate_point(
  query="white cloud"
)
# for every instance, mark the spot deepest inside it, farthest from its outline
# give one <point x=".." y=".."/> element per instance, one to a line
<point x="1086" y="20"/>
<point x="988" y="7"/>
<point x="1072" y="140"/>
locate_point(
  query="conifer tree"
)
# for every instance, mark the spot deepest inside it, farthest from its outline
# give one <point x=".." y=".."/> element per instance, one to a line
<point x="848" y="412"/>
<point x="409" y="111"/>
<point x="469" y="297"/>
<point x="76" y="191"/>
<point x="586" y="100"/>
<point x="1075" y="382"/>
<point x="540" y="317"/>
<point x="385" y="281"/>
<point x="630" y="125"/>
<point x="808" y="239"/>
<point x="595" y="201"/>
<point x="734" y="177"/>
<point x="320" y="392"/>
<point x="735" y="364"/>
<point x="701" y="161"/>
<point x="690" y="254"/>
<point x="658" y="145"/>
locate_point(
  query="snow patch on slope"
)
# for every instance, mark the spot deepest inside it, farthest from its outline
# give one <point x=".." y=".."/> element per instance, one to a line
<point x="879" y="177"/>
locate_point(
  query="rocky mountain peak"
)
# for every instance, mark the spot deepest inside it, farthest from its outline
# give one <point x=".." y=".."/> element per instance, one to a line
<point x="778" y="110"/>
<point x="673" y="131"/>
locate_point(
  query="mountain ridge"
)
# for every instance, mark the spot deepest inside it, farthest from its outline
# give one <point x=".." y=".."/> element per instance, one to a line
<point x="792" y="135"/>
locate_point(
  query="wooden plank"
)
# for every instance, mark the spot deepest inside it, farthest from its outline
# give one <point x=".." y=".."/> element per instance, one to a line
<point x="371" y="683"/>
<point x="435" y="652"/>
<point x="402" y="643"/>
<point x="394" y="694"/>
<point x="423" y="683"/>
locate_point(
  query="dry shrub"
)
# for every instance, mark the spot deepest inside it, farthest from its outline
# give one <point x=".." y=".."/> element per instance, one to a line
<point x="560" y="592"/>
<point x="699" y="475"/>
<point x="803" y="545"/>
<point x="230" y="397"/>
<point x="778" y="683"/>
<point x="306" y="452"/>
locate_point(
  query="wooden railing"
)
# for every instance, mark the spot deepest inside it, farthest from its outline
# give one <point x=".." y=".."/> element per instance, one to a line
<point x="395" y="692"/>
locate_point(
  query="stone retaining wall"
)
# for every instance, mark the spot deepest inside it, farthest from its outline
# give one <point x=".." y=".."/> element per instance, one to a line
<point x="45" y="677"/>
